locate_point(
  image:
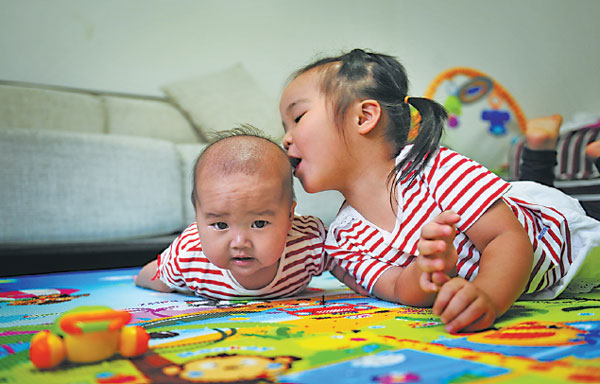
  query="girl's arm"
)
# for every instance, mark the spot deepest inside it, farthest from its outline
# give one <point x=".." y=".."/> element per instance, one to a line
<point x="401" y="285"/>
<point x="506" y="255"/>
<point x="504" y="268"/>
<point x="418" y="283"/>
<point x="145" y="278"/>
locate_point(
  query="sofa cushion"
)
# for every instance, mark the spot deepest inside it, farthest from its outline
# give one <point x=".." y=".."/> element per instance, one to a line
<point x="148" y="118"/>
<point x="48" y="109"/>
<point x="225" y="99"/>
<point x="60" y="187"/>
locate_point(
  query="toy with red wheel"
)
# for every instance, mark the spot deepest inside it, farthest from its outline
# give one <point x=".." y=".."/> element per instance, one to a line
<point x="86" y="335"/>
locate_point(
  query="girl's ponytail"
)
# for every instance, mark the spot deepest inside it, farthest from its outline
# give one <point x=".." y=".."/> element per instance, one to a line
<point x="430" y="129"/>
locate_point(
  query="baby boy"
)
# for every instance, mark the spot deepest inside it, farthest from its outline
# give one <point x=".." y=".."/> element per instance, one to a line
<point x="246" y="241"/>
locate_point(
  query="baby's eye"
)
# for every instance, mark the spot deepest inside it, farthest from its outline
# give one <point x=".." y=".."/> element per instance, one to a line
<point x="220" y="225"/>
<point x="260" y="224"/>
<point x="297" y="119"/>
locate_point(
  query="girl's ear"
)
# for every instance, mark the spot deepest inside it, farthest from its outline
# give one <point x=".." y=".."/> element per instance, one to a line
<point x="369" y="113"/>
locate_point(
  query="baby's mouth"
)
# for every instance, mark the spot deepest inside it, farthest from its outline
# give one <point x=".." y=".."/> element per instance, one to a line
<point x="242" y="260"/>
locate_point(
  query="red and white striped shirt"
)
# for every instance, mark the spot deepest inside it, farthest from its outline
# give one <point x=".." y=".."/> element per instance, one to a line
<point x="184" y="267"/>
<point x="450" y="181"/>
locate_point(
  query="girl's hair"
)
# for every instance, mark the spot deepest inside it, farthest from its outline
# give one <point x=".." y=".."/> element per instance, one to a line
<point x="366" y="75"/>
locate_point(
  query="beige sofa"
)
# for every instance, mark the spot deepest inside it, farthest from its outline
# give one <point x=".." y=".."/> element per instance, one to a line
<point x="102" y="180"/>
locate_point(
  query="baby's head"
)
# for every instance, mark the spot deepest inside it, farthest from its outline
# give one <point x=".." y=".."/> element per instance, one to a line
<point x="244" y="149"/>
<point x="244" y="200"/>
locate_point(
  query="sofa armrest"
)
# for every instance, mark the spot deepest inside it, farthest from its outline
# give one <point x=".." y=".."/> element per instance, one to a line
<point x="60" y="187"/>
<point x="27" y="258"/>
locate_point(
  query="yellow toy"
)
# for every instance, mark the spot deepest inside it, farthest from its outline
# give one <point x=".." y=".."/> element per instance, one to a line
<point x="497" y="95"/>
<point x="484" y="120"/>
<point x="85" y="335"/>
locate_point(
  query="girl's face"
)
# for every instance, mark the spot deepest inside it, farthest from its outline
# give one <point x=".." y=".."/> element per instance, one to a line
<point x="313" y="141"/>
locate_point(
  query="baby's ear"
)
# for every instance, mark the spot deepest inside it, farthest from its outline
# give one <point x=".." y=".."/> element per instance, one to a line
<point x="369" y="113"/>
<point x="292" y="211"/>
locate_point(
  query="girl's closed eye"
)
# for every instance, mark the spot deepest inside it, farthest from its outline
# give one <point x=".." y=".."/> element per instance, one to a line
<point x="220" y="225"/>
<point x="297" y="119"/>
<point x="260" y="224"/>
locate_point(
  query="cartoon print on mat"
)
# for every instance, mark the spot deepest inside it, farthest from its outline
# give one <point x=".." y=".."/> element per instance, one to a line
<point x="536" y="340"/>
<point x="221" y="368"/>
<point x="335" y="336"/>
<point x="40" y="296"/>
<point x="179" y="337"/>
<point x="168" y="308"/>
<point x="405" y="365"/>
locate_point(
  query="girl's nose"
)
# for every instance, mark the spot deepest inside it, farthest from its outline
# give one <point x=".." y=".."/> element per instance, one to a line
<point x="287" y="140"/>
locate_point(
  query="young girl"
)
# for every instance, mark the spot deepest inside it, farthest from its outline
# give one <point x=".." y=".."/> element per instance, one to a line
<point x="423" y="225"/>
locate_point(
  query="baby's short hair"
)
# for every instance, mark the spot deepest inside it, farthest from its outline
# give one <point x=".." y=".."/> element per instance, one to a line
<point x="244" y="156"/>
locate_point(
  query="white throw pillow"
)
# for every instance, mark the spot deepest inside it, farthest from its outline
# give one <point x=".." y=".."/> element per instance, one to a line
<point x="225" y="99"/>
<point x="147" y="118"/>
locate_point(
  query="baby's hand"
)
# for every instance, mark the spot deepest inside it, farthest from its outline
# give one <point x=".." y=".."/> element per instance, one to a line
<point x="462" y="306"/>
<point x="347" y="279"/>
<point x="437" y="254"/>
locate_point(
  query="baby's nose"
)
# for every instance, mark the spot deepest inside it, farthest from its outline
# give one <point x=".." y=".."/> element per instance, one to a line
<point x="240" y="240"/>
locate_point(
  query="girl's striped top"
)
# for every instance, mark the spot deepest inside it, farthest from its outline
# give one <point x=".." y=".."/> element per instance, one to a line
<point x="450" y="181"/>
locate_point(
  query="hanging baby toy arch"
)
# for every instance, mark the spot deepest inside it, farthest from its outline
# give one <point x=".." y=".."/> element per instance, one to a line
<point x="483" y="117"/>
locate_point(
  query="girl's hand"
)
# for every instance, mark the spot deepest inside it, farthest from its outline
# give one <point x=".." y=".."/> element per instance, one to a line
<point x="463" y="306"/>
<point x="432" y="282"/>
<point x="437" y="254"/>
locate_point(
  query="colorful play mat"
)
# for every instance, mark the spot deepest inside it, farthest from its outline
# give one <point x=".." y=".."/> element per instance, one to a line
<point x="327" y="335"/>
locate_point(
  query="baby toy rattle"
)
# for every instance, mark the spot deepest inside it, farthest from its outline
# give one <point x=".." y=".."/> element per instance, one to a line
<point x="87" y="334"/>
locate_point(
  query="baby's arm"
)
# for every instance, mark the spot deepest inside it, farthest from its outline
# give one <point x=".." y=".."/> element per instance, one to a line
<point x="504" y="268"/>
<point x="145" y="278"/>
<point x="343" y="276"/>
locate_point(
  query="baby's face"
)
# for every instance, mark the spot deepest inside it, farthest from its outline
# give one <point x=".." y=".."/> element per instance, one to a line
<point x="243" y="222"/>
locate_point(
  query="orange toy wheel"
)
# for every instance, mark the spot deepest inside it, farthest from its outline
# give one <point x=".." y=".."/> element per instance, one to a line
<point x="134" y="341"/>
<point x="46" y="350"/>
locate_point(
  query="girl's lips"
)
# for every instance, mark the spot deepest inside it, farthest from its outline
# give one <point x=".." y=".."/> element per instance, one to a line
<point x="294" y="161"/>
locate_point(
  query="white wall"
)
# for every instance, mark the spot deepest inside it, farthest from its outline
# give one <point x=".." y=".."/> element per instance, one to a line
<point x="545" y="52"/>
